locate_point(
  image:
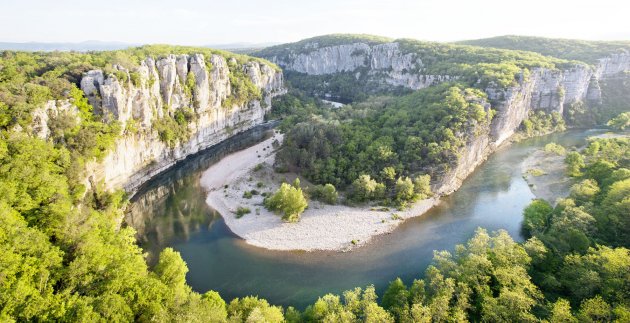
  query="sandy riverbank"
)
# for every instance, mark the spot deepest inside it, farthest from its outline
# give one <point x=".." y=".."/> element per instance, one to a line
<point x="322" y="227"/>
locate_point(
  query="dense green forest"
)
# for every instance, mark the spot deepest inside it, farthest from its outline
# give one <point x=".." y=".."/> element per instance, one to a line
<point x="387" y="139"/>
<point x="72" y="263"/>
<point x="65" y="257"/>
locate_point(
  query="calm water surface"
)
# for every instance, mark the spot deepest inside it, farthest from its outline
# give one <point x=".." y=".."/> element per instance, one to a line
<point x="170" y="211"/>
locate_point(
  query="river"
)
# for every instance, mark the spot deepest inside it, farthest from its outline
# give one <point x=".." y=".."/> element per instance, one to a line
<point x="170" y="211"/>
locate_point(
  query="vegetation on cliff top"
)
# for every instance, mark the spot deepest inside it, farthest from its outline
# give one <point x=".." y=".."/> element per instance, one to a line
<point x="478" y="67"/>
<point x="28" y="80"/>
<point x="571" y="49"/>
<point x="312" y="44"/>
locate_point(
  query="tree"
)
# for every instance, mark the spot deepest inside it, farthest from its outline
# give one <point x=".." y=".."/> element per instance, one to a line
<point x="404" y="191"/>
<point x="595" y="310"/>
<point x="616" y="213"/>
<point x="561" y="312"/>
<point x="172" y="270"/>
<point x="620" y="122"/>
<point x="289" y="200"/>
<point x="253" y="309"/>
<point x="365" y="188"/>
<point x="388" y="173"/>
<point x="328" y="308"/>
<point x="536" y="217"/>
<point x="396" y="300"/>
<point x="584" y="191"/>
<point x="422" y="186"/>
<point x="575" y="162"/>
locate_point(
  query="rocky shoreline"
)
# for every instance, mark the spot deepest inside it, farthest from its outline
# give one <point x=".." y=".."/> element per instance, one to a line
<point x="545" y="173"/>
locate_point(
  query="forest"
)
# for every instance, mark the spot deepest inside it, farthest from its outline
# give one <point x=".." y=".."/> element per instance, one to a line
<point x="65" y="256"/>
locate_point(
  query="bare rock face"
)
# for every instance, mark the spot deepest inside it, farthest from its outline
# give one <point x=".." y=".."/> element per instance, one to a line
<point x="156" y="89"/>
<point x="202" y="82"/>
<point x="613" y="64"/>
<point x="385" y="62"/>
<point x="544" y="89"/>
<point x="52" y="109"/>
<point x="220" y="75"/>
<point x="328" y="60"/>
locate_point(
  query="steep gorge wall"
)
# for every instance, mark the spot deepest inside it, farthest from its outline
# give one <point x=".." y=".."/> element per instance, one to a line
<point x="543" y="89"/>
<point x="157" y="89"/>
<point x="550" y="90"/>
<point x="385" y="62"/>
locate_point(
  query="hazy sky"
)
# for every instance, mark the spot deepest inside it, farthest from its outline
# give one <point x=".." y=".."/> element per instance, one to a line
<point x="198" y="22"/>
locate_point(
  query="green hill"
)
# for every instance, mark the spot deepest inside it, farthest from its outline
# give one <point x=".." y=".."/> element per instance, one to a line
<point x="572" y="49"/>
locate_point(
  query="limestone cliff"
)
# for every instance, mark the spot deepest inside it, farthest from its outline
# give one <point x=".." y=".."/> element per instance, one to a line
<point x="156" y="89"/>
<point x="389" y="63"/>
<point x="385" y="62"/>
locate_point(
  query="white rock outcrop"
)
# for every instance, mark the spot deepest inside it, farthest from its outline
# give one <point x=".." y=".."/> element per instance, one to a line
<point x="156" y="89"/>
<point x="385" y="62"/>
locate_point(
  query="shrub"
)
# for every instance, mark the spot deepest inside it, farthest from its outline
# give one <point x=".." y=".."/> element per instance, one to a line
<point x="620" y="122"/>
<point x="555" y="148"/>
<point x="289" y="200"/>
<point x="536" y="172"/>
<point x="325" y="193"/>
<point x="240" y="211"/>
<point x="422" y="186"/>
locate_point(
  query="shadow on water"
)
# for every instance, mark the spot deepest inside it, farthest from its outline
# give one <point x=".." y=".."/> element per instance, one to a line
<point x="171" y="207"/>
<point x="171" y="212"/>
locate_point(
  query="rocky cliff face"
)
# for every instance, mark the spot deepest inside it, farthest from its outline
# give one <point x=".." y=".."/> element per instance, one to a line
<point x="541" y="89"/>
<point x="385" y="62"/>
<point x="157" y="89"/>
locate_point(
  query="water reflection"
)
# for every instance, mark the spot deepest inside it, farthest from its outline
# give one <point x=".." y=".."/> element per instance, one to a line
<point x="171" y="208"/>
<point x="171" y="211"/>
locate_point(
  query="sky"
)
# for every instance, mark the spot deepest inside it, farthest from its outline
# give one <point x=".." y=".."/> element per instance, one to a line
<point x="199" y="22"/>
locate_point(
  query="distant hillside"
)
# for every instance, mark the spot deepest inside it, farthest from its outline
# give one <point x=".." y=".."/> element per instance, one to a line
<point x="311" y="44"/>
<point x="90" y="45"/>
<point x="240" y="47"/>
<point x="572" y="49"/>
<point x="349" y="67"/>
